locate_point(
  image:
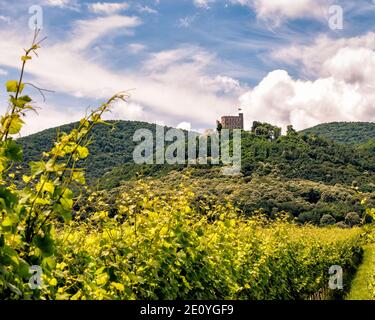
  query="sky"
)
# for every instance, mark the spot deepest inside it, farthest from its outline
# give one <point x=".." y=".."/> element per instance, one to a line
<point x="185" y="63"/>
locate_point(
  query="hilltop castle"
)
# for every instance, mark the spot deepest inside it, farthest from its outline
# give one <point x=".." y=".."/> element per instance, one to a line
<point x="233" y="122"/>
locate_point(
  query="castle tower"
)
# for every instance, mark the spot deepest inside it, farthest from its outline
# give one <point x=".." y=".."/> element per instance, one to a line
<point x="233" y="122"/>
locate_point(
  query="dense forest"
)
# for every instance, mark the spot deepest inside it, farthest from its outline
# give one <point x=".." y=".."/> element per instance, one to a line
<point x="300" y="155"/>
<point x="345" y="132"/>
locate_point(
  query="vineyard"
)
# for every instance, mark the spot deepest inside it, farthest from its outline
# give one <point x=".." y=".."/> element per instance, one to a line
<point x="146" y="244"/>
<point x="159" y="247"/>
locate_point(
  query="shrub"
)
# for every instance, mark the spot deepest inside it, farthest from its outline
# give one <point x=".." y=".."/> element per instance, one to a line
<point x="352" y="219"/>
<point x="327" y="220"/>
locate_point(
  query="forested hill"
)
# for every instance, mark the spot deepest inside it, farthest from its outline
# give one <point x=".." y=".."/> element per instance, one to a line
<point x="296" y="156"/>
<point x="345" y="132"/>
<point x="111" y="145"/>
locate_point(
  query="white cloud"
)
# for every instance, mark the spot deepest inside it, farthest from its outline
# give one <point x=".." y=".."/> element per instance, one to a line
<point x="166" y="88"/>
<point x="222" y="84"/>
<point x="343" y="89"/>
<point x="327" y="48"/>
<point x="281" y="100"/>
<point x="49" y="116"/>
<point x="128" y="111"/>
<point x="203" y="3"/>
<point x="175" y="84"/>
<point x="3" y="72"/>
<point x="187" y="55"/>
<point x="57" y="3"/>
<point x="342" y="86"/>
<point x="86" y="31"/>
<point x="184" y="126"/>
<point x="353" y="65"/>
<point x="136" y="47"/>
<point x="146" y="9"/>
<point x="108" y="7"/>
<point x="186" y="21"/>
<point x="276" y="11"/>
<point x="62" y="4"/>
<point x="5" y="19"/>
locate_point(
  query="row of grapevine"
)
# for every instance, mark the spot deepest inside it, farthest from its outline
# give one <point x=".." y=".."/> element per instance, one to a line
<point x="160" y="247"/>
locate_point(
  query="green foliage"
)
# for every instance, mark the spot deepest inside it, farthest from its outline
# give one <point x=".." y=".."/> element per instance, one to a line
<point x="327" y="220"/>
<point x="352" y="219"/>
<point x="111" y="147"/>
<point x="305" y="200"/>
<point x="369" y="146"/>
<point x="363" y="286"/>
<point x="158" y="246"/>
<point x="29" y="212"/>
<point x="308" y="157"/>
<point x="265" y="130"/>
<point x="295" y="156"/>
<point x="344" y="132"/>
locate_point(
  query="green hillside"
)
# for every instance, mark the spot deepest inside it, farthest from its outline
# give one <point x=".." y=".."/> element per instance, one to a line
<point x="345" y="132"/>
<point x="368" y="146"/>
<point x="112" y="145"/>
<point x="309" y="177"/>
<point x="295" y="156"/>
<point x="304" y="200"/>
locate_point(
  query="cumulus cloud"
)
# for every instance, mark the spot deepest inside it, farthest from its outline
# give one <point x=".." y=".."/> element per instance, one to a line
<point x="307" y="56"/>
<point x="282" y="100"/>
<point x="184" y="126"/>
<point x="353" y="65"/>
<point x="129" y="111"/>
<point x="221" y="84"/>
<point x="342" y="88"/>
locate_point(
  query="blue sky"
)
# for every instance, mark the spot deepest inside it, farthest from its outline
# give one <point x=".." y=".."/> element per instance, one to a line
<point x="187" y="62"/>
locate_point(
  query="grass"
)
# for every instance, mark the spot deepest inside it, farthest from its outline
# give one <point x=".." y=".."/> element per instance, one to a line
<point x="361" y="284"/>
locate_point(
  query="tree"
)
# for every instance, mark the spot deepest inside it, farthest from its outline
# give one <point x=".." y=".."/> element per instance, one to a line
<point x="290" y="131"/>
<point x="312" y="196"/>
<point x="255" y="125"/>
<point x="266" y="130"/>
<point x="327" y="220"/>
<point x="352" y="219"/>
